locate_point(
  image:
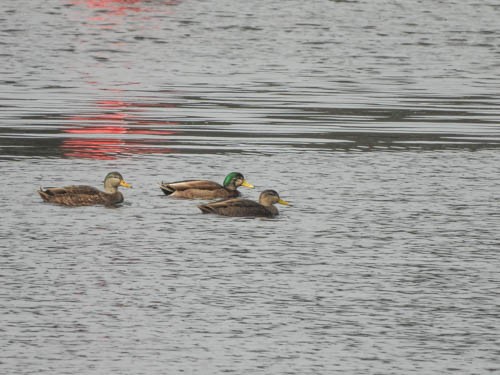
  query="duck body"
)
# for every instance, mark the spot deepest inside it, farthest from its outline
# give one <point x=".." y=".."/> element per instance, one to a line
<point x="80" y="195"/>
<point x="245" y="207"/>
<point x="205" y="189"/>
<point x="202" y="189"/>
<point x="238" y="208"/>
<point x="83" y="195"/>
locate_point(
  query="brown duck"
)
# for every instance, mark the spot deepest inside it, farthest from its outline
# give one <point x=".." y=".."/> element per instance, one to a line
<point x="82" y="195"/>
<point x="246" y="207"/>
<point x="205" y="189"/>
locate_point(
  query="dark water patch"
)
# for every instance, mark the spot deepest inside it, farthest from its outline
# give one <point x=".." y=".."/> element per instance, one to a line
<point x="259" y="115"/>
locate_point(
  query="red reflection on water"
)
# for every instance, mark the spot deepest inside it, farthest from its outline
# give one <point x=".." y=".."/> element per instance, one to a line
<point x="124" y="4"/>
<point x="115" y="127"/>
<point x="118" y="8"/>
<point x="123" y="122"/>
<point x="116" y="130"/>
<point x="107" y="149"/>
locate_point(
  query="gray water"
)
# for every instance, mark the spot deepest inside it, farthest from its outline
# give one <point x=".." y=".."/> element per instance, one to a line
<point x="378" y="121"/>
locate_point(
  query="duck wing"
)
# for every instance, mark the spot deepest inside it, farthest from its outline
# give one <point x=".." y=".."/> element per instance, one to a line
<point x="75" y="195"/>
<point x="73" y="189"/>
<point x="192" y="184"/>
<point x="194" y="189"/>
<point x="236" y="207"/>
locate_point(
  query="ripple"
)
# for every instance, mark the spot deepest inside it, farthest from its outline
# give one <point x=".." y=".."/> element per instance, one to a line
<point x="378" y="121"/>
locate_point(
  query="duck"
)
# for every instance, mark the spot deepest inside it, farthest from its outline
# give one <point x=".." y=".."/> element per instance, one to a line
<point x="238" y="207"/>
<point x="205" y="189"/>
<point x="83" y="195"/>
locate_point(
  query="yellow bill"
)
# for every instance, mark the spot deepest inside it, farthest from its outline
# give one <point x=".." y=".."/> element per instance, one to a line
<point x="245" y="183"/>
<point x="125" y="184"/>
<point x="283" y="202"/>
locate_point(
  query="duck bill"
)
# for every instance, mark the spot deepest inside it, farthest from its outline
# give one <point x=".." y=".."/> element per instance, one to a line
<point x="125" y="184"/>
<point x="247" y="184"/>
<point x="283" y="202"/>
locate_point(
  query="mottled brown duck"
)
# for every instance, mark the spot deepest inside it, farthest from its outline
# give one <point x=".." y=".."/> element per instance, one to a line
<point x="245" y="207"/>
<point x="82" y="195"/>
<point x="204" y="189"/>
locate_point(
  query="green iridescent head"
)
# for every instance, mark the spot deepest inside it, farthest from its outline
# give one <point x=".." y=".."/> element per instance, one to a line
<point x="235" y="179"/>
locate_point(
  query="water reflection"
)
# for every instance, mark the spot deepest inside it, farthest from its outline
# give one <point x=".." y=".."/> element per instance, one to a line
<point x="117" y="8"/>
<point x="116" y="127"/>
<point x="115" y="121"/>
<point x="107" y="149"/>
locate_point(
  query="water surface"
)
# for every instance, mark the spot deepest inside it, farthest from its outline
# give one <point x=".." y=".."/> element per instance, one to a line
<point x="378" y="121"/>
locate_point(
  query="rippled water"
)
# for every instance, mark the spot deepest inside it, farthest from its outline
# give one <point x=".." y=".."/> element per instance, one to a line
<point x="378" y="121"/>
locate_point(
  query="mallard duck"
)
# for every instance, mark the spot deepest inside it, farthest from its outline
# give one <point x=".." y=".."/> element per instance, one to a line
<point x="246" y="207"/>
<point x="82" y="195"/>
<point x="205" y="189"/>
